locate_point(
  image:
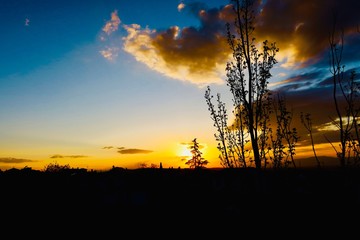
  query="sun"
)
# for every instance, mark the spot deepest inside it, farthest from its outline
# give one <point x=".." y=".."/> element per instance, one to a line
<point x="184" y="151"/>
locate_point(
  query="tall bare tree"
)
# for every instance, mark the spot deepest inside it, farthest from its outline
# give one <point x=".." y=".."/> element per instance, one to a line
<point x="247" y="76"/>
<point x="346" y="93"/>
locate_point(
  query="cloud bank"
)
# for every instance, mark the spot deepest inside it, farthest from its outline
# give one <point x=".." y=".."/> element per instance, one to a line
<point x="199" y="54"/>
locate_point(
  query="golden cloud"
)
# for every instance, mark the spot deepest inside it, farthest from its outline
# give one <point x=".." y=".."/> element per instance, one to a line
<point x="189" y="60"/>
<point x="196" y="55"/>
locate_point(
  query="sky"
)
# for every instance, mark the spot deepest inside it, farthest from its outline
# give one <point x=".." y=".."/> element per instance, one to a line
<point x="97" y="84"/>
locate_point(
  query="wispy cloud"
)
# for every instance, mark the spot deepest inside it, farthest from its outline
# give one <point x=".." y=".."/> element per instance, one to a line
<point x="27" y="22"/>
<point x="15" y="160"/>
<point x="68" y="156"/>
<point x="108" y="147"/>
<point x="110" y="53"/>
<point x="113" y="24"/>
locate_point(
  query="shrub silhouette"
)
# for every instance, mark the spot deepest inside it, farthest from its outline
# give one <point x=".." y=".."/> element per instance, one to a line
<point x="56" y="167"/>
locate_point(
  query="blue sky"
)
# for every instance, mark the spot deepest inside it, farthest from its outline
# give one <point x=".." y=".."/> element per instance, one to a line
<point x="78" y="76"/>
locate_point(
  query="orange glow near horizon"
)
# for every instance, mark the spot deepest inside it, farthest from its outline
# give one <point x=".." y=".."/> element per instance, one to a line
<point x="173" y="155"/>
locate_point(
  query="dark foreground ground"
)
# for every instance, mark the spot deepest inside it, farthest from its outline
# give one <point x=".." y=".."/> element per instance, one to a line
<point x="326" y="200"/>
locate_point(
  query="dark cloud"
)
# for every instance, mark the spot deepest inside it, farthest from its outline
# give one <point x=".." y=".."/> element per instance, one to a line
<point x="318" y="102"/>
<point x="76" y="156"/>
<point x="347" y="74"/>
<point x="15" y="160"/>
<point x="305" y="24"/>
<point x="199" y="48"/>
<point x="67" y="156"/>
<point x="299" y="81"/>
<point x="134" y="151"/>
<point x="348" y="52"/>
<point x="312" y="93"/>
<point x="123" y="150"/>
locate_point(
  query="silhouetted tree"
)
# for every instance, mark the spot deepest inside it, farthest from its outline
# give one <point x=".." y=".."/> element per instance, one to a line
<point x="143" y="165"/>
<point x="307" y="123"/>
<point x="345" y="95"/>
<point x="247" y="77"/>
<point x="197" y="161"/>
<point x="231" y="139"/>
<point x="285" y="139"/>
<point x="153" y="165"/>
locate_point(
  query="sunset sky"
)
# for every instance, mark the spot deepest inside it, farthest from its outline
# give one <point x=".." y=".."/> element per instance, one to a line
<point x="96" y="84"/>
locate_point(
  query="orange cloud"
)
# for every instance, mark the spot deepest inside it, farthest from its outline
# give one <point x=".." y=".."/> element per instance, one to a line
<point x="160" y="52"/>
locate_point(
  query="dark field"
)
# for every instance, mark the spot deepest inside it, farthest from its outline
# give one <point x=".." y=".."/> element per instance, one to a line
<point x="295" y="197"/>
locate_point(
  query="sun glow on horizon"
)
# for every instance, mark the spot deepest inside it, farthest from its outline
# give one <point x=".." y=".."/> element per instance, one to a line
<point x="184" y="151"/>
